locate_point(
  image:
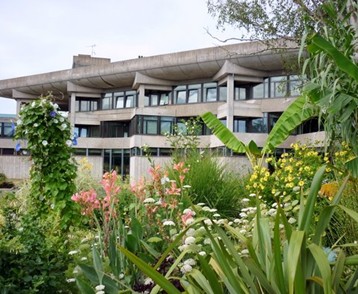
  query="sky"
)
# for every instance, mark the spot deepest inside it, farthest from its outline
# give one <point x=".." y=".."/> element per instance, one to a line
<point x="39" y="36"/>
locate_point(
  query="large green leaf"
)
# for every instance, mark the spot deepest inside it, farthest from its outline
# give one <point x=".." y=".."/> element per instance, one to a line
<point x="343" y="62"/>
<point x="323" y="265"/>
<point x="295" y="114"/>
<point x="223" y="133"/>
<point x="307" y="215"/>
<point x="150" y="272"/>
<point x="293" y="255"/>
<point x="352" y="166"/>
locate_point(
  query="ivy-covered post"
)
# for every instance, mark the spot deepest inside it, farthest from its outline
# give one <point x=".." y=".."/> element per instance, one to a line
<point x="53" y="170"/>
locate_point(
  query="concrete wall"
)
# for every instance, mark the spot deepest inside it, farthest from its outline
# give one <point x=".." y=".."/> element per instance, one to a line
<point x="18" y="167"/>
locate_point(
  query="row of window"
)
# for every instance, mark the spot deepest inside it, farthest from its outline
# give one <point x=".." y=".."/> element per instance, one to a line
<point x="162" y="125"/>
<point x="272" y="87"/>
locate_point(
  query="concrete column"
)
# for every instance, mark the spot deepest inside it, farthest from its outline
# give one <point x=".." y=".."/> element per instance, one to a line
<point x="141" y="95"/>
<point x="72" y="110"/>
<point x="230" y="102"/>
<point x="18" y="107"/>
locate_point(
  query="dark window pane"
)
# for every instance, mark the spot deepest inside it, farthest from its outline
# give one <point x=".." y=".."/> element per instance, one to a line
<point x="164" y="99"/>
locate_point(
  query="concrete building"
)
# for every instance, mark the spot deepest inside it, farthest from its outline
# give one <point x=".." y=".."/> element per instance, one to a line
<point x="117" y="107"/>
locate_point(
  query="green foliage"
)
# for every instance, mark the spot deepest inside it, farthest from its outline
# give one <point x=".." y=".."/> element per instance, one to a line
<point x="211" y="183"/>
<point x="261" y="19"/>
<point x="33" y="255"/>
<point x="53" y="171"/>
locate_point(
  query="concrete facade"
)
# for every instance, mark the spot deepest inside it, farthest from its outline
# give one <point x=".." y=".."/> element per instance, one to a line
<point x="117" y="107"/>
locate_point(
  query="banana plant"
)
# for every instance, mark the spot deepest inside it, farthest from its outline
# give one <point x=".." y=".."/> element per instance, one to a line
<point x="296" y="113"/>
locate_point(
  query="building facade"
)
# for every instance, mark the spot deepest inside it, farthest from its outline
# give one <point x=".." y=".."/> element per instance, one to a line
<point x="118" y="107"/>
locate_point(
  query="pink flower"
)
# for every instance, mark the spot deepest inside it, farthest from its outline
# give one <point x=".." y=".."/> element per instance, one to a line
<point x="173" y="190"/>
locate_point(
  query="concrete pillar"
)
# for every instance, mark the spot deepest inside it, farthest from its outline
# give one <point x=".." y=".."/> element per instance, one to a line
<point x="141" y="95"/>
<point x="230" y="102"/>
<point x="18" y="107"/>
<point x="72" y="110"/>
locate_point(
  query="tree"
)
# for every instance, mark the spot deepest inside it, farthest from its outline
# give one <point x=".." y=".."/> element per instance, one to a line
<point x="271" y="19"/>
<point x="330" y="39"/>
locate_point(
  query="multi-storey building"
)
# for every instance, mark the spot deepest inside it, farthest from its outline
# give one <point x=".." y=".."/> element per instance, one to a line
<point x="117" y="107"/>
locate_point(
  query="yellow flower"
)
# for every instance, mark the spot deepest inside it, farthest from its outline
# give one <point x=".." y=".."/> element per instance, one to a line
<point x="301" y="183"/>
<point x="329" y="190"/>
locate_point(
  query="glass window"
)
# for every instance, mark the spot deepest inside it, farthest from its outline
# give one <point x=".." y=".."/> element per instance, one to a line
<point x="146" y="100"/>
<point x="193" y="96"/>
<point x="278" y="86"/>
<point x="258" y="125"/>
<point x="8" y="130"/>
<point x="210" y="94"/>
<point x="85" y="105"/>
<point x="77" y="106"/>
<point x="130" y="101"/>
<point x="258" y="91"/>
<point x="120" y="102"/>
<point x="107" y="101"/>
<point x="95" y="152"/>
<point x="181" y="97"/>
<point x="240" y="93"/>
<point x="164" y="99"/>
<point x="94" y="105"/>
<point x="223" y="93"/>
<point x="240" y="126"/>
<point x="150" y="125"/>
<point x="166" y="125"/>
<point x="154" y="99"/>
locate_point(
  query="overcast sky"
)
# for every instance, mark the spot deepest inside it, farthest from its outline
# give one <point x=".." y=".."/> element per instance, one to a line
<point x="39" y="36"/>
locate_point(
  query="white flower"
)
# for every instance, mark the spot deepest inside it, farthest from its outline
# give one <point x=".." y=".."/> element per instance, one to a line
<point x="208" y="222"/>
<point x="189" y="221"/>
<point x="69" y="143"/>
<point x="202" y="253"/>
<point x="191" y="232"/>
<point x="237" y="220"/>
<point x="71" y="280"/>
<point x="186" y="268"/>
<point x="292" y="220"/>
<point x="216" y="215"/>
<point x="207" y="241"/>
<point x="201" y="204"/>
<point x="55" y="105"/>
<point x="44" y="142"/>
<point x="63" y="113"/>
<point x="252" y="195"/>
<point x="36" y="125"/>
<point x="188" y="210"/>
<point x="168" y="223"/>
<point x="189" y="240"/>
<point x="84" y="258"/>
<point x="213" y="210"/>
<point x="63" y="126"/>
<point x="121" y="276"/>
<point x="19" y="122"/>
<point x="206" y="208"/>
<point x="148" y="281"/>
<point x="245" y="251"/>
<point x="190" y="261"/>
<point x="164" y="180"/>
<point x="243" y="214"/>
<point x="149" y="200"/>
<point x="244" y="200"/>
<point x="100" y="292"/>
<point x="187" y="186"/>
<point x="33" y="104"/>
<point x="73" y="252"/>
<point x="100" y="287"/>
<point x="183" y="247"/>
